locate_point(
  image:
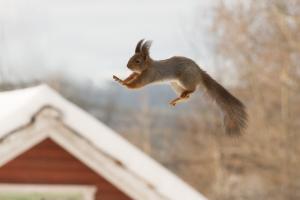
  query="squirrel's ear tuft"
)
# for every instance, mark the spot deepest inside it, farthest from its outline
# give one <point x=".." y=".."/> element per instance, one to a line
<point x="145" y="48"/>
<point x="138" y="46"/>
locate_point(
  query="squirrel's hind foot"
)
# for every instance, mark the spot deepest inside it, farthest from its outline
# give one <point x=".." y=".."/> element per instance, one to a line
<point x="175" y="101"/>
<point x="172" y="103"/>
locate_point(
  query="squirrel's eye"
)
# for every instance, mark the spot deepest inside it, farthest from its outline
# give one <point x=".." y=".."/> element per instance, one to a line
<point x="137" y="61"/>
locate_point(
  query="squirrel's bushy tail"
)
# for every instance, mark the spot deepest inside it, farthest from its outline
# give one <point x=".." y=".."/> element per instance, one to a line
<point x="235" y="116"/>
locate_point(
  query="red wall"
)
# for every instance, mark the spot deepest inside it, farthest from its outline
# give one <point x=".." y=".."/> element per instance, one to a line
<point x="48" y="163"/>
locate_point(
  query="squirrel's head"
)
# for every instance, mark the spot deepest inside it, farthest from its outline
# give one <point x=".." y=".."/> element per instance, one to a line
<point x="140" y="60"/>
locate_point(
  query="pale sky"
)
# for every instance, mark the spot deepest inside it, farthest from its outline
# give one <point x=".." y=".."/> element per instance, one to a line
<point x="90" y="39"/>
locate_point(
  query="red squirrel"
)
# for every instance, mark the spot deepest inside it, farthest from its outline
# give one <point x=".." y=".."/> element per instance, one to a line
<point x="185" y="76"/>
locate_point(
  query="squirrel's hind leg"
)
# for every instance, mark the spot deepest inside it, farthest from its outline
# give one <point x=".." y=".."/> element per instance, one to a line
<point x="184" y="93"/>
<point x="184" y="96"/>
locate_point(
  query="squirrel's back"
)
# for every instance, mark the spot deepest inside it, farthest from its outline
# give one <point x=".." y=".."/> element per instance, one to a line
<point x="176" y="67"/>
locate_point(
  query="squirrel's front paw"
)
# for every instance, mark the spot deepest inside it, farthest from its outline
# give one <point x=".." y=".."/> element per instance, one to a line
<point x="117" y="79"/>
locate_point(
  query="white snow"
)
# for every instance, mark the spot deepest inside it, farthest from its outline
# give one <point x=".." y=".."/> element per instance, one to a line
<point x="18" y="107"/>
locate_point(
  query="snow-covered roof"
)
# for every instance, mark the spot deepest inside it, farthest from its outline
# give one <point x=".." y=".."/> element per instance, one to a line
<point x="18" y="107"/>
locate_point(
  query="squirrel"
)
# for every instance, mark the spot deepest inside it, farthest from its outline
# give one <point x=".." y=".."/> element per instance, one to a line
<point x="185" y="76"/>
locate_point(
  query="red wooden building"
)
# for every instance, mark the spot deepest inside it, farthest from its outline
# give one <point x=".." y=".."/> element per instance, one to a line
<point x="50" y="146"/>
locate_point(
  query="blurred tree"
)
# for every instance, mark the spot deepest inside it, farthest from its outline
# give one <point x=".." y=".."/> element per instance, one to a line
<point x="261" y="41"/>
<point x="258" y="42"/>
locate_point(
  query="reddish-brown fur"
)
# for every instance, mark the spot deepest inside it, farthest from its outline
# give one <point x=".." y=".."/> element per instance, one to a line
<point x="185" y="76"/>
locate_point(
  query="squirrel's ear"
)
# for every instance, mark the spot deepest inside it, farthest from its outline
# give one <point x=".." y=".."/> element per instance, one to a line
<point x="145" y="48"/>
<point x="138" y="46"/>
